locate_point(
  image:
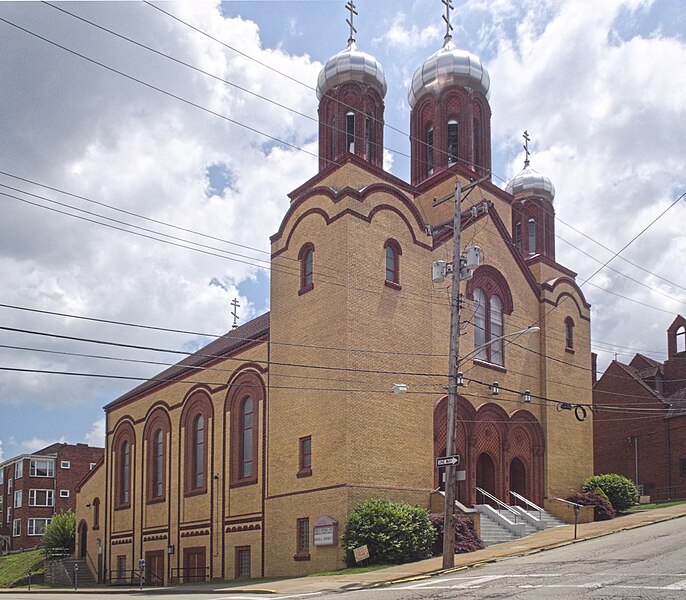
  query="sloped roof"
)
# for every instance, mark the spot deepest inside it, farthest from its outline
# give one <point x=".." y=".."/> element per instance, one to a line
<point x="219" y="348"/>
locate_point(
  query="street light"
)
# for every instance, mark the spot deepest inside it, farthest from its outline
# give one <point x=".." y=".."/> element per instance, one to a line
<point x="448" y="522"/>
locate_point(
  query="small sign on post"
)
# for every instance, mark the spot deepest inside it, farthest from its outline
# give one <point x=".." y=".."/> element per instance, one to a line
<point x="446" y="461"/>
<point x="361" y="553"/>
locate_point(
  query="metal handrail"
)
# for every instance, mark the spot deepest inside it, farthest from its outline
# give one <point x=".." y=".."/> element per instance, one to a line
<point x="567" y="502"/>
<point x="499" y="502"/>
<point x="529" y="503"/>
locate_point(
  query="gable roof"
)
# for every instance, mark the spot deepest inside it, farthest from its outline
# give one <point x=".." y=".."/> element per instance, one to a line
<point x="228" y="343"/>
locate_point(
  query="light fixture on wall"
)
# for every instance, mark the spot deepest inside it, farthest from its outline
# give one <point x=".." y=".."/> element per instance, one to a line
<point x="495" y="388"/>
<point x="526" y="397"/>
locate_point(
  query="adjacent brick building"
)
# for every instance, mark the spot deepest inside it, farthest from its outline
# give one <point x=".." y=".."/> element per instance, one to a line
<point x="245" y="459"/>
<point x="34" y="487"/>
<point x="640" y="426"/>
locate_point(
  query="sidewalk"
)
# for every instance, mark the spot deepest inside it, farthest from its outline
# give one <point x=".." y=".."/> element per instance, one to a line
<point x="537" y="542"/>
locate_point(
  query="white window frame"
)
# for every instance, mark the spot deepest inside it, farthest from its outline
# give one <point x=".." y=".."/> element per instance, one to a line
<point x="64" y="493"/>
<point x="47" y="462"/>
<point x="10" y="482"/>
<point x="2" y="475"/>
<point x="32" y="525"/>
<point x="16" y="528"/>
<point x="19" y="469"/>
<point x="9" y="515"/>
<point x="18" y="497"/>
<point x="91" y="466"/>
<point x="49" y="497"/>
<point x="65" y="464"/>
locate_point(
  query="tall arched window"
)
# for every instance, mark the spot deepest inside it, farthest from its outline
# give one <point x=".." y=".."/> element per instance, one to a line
<point x="333" y="137"/>
<point x="518" y="234"/>
<point x="350" y="132"/>
<point x="198" y="455"/>
<point x="246" y="436"/>
<point x="532" y="236"/>
<point x="492" y="300"/>
<point x="393" y="252"/>
<point x="368" y="138"/>
<point x="246" y="395"/>
<point x="306" y="258"/>
<point x="430" y="150"/>
<point x="157" y="471"/>
<point x="681" y="339"/>
<point x="196" y="421"/>
<point x="125" y="474"/>
<point x="452" y="142"/>
<point x="569" y="333"/>
<point x="123" y="445"/>
<point x="96" y="513"/>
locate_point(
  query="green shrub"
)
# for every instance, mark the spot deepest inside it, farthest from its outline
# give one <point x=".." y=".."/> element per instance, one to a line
<point x="466" y="539"/>
<point x="61" y="533"/>
<point x="394" y="532"/>
<point x="620" y="491"/>
<point x="602" y="509"/>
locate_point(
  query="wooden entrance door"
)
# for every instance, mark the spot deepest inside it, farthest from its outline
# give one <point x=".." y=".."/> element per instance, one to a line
<point x="485" y="476"/>
<point x="194" y="564"/>
<point x="154" y="567"/>
<point x="518" y="477"/>
<point x="83" y="540"/>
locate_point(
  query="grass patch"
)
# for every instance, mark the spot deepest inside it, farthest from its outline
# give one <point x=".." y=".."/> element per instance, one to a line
<point x="642" y="507"/>
<point x="351" y="570"/>
<point x="15" y="567"/>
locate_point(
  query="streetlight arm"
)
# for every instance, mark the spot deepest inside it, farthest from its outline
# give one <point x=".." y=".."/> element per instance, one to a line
<point x="531" y="329"/>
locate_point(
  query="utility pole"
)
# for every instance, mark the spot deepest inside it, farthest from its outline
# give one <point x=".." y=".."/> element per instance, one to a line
<point x="455" y="304"/>
<point x="453" y="373"/>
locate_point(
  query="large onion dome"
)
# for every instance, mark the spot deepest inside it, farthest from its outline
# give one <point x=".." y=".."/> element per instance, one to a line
<point x="530" y="183"/>
<point x="448" y="66"/>
<point x="351" y="64"/>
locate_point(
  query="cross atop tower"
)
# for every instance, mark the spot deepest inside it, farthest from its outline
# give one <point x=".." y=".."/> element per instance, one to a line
<point x="234" y="313"/>
<point x="351" y="7"/>
<point x="527" y="139"/>
<point x="448" y="27"/>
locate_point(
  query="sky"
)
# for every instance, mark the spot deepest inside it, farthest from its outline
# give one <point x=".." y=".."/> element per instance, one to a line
<point x="138" y="191"/>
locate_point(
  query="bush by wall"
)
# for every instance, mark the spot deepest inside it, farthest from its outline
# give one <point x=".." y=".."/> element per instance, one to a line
<point x="602" y="509"/>
<point x="61" y="533"/>
<point x="394" y="532"/>
<point x="620" y="490"/>
<point x="466" y="539"/>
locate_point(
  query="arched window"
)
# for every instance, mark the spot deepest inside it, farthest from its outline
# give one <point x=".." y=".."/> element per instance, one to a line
<point x="96" y="513"/>
<point x="306" y="258"/>
<point x="452" y="142"/>
<point x="157" y="471"/>
<point x="681" y="339"/>
<point x="569" y="333"/>
<point x="393" y="252"/>
<point x="195" y="420"/>
<point x="350" y="132"/>
<point x="246" y="438"/>
<point x="198" y="453"/>
<point x="430" y="150"/>
<point x="532" y="236"/>
<point x="124" y="474"/>
<point x="492" y="300"/>
<point x="518" y="234"/>
<point x="333" y="137"/>
<point x="368" y="138"/>
<point x="246" y="395"/>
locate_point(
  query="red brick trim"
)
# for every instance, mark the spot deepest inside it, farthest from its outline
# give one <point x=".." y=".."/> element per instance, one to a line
<point x="196" y="403"/>
<point x="157" y="420"/>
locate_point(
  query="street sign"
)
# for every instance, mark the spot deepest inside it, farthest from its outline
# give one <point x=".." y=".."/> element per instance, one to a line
<point x="446" y="461"/>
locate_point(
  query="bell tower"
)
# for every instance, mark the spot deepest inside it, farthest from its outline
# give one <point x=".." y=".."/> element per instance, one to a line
<point x="351" y="89"/>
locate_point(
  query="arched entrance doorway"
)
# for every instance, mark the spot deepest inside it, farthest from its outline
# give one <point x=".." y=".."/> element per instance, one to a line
<point x="518" y="477"/>
<point x="83" y="539"/>
<point x="485" y="476"/>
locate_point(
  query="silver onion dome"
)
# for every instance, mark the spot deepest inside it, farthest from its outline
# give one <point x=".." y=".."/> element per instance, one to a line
<point x="531" y="183"/>
<point x="351" y="65"/>
<point x="444" y="67"/>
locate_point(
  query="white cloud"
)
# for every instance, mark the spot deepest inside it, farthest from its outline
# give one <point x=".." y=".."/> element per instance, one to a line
<point x="400" y="35"/>
<point x="35" y="444"/>
<point x="96" y="435"/>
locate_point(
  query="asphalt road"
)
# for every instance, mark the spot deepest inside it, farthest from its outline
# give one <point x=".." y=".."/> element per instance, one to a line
<point x="644" y="563"/>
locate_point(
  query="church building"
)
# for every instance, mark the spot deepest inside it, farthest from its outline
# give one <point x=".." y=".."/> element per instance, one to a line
<point x="244" y="459"/>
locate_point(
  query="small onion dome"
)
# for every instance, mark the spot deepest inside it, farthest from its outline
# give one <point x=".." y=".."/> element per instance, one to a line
<point x="444" y="67"/>
<point x="351" y="65"/>
<point x="531" y="183"/>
